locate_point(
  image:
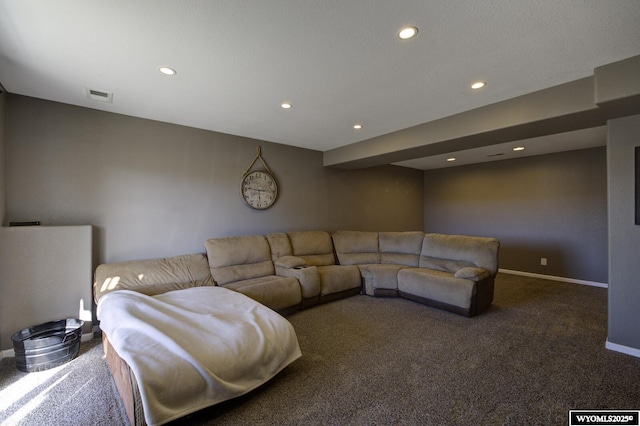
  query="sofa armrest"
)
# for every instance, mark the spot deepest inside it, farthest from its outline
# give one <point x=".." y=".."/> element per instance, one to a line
<point x="308" y="277"/>
<point x="473" y="274"/>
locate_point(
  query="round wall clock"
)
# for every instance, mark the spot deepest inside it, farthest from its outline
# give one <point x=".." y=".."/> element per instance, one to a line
<point x="258" y="190"/>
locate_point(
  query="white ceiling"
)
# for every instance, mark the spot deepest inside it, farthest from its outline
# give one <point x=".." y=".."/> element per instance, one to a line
<point x="338" y="62"/>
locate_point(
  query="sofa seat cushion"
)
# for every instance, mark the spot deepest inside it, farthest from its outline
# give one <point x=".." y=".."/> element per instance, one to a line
<point x="275" y="292"/>
<point x="437" y="286"/>
<point x="338" y="278"/>
<point x="383" y="276"/>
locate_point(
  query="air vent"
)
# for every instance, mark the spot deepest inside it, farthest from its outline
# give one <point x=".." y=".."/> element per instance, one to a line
<point x="496" y="155"/>
<point x="98" y="95"/>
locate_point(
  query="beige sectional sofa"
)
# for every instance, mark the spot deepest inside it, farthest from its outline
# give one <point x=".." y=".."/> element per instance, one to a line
<point x="297" y="270"/>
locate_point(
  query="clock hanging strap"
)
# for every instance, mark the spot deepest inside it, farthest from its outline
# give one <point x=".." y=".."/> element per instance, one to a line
<point x="258" y="156"/>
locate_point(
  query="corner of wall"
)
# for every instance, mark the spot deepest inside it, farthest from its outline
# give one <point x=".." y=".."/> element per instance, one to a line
<point x="3" y="183"/>
<point x="3" y="156"/>
<point x="622" y="349"/>
<point x="624" y="236"/>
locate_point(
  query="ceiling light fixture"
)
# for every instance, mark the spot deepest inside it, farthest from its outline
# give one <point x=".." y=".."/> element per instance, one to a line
<point x="451" y="159"/>
<point x="519" y="148"/>
<point x="407" y="32"/>
<point x="478" y="85"/>
<point x="285" y="105"/>
<point x="167" y="71"/>
<point x="357" y="126"/>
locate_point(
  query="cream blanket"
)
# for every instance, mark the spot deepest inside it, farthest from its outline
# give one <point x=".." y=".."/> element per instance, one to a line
<point x="193" y="348"/>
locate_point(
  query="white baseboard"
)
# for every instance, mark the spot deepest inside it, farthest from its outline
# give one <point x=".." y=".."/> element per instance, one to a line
<point x="554" y="278"/>
<point x="623" y="349"/>
<point x="9" y="353"/>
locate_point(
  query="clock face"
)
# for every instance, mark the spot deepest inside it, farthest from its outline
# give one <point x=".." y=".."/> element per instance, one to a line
<point x="259" y="190"/>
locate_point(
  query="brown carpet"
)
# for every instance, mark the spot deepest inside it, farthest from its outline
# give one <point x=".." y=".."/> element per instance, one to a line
<point x="536" y="353"/>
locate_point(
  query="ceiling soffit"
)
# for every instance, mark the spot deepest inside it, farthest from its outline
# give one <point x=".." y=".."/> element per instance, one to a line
<point x="613" y="91"/>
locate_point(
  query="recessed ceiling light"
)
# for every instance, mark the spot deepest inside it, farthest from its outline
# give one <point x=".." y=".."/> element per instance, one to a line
<point x="519" y="148"/>
<point x="285" y="105"/>
<point x="167" y="71"/>
<point x="407" y="33"/>
<point x="478" y="85"/>
<point x="357" y="126"/>
<point x="451" y="159"/>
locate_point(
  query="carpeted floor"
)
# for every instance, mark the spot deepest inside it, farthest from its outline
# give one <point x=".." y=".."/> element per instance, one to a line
<point x="536" y="353"/>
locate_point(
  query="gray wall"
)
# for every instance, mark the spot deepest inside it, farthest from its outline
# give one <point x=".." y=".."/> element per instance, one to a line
<point x="154" y="189"/>
<point x="3" y="184"/>
<point x="552" y="206"/>
<point x="46" y="275"/>
<point x="624" y="235"/>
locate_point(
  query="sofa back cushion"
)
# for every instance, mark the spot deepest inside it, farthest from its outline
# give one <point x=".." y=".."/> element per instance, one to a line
<point x="280" y="245"/>
<point x="356" y="247"/>
<point x="315" y="247"/>
<point x="153" y="276"/>
<point x="239" y="258"/>
<point x="401" y="248"/>
<point x="453" y="252"/>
